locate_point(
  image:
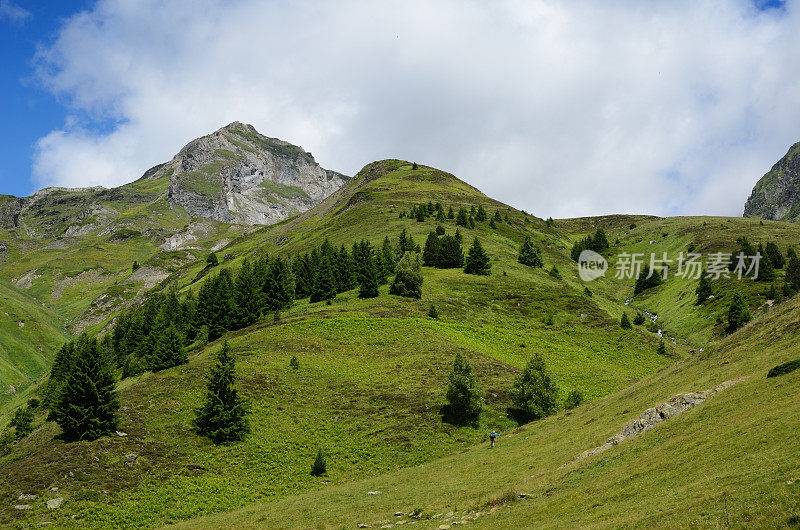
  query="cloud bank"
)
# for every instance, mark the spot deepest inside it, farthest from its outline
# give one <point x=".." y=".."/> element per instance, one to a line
<point x="559" y="108"/>
<point x="13" y="13"/>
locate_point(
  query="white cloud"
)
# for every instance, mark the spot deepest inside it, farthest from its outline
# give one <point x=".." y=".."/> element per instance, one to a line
<point x="560" y="108"/>
<point x="14" y="13"/>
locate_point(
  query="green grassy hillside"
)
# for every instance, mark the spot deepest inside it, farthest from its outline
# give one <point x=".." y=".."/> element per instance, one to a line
<point x="730" y="461"/>
<point x="29" y="336"/>
<point x="373" y="375"/>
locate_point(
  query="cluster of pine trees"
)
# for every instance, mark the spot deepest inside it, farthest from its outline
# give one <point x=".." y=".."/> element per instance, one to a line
<point x="466" y="218"/>
<point x="444" y="252"/>
<point x="597" y="242"/>
<point x="534" y="394"/>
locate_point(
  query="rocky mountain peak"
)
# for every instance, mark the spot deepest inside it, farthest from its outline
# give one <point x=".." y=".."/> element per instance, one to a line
<point x="238" y="175"/>
<point x="776" y="196"/>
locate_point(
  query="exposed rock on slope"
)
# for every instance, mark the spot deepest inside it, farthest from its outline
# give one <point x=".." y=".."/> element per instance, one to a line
<point x="777" y="195"/>
<point x="237" y="175"/>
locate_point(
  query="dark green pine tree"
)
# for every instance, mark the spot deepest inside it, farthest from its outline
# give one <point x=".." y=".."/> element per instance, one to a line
<point x="792" y="271"/>
<point x="462" y="220"/>
<point x="344" y="271"/>
<point x="775" y="255"/>
<point x="212" y="260"/>
<point x="458" y="236"/>
<point x="638" y="319"/>
<point x="420" y="215"/>
<point x="58" y="374"/>
<point x="431" y="253"/>
<point x="625" y="322"/>
<point x="440" y="217"/>
<point x="370" y="279"/>
<point x="530" y="254"/>
<point x="450" y="214"/>
<point x="492" y="224"/>
<point x="464" y="396"/>
<point x="471" y="222"/>
<point x="738" y="313"/>
<point x="497" y="217"/>
<point x="223" y="415"/>
<point x="278" y="286"/>
<point x="169" y="350"/>
<point x="324" y="287"/>
<point x="766" y="271"/>
<point x="477" y="261"/>
<point x="450" y="255"/>
<point x="599" y="241"/>
<point x="246" y="297"/>
<point x="87" y="404"/>
<point x="22" y="422"/>
<point x="534" y="395"/>
<point x="215" y="305"/>
<point x="388" y="260"/>
<point x="480" y="215"/>
<point x="704" y="289"/>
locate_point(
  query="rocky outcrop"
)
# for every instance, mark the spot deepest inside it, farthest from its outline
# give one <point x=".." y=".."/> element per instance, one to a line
<point x="777" y="195"/>
<point x="655" y="415"/>
<point x="237" y="175"/>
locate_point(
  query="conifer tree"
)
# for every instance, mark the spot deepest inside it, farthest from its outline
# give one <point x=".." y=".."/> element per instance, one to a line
<point x="480" y="215"/>
<point x="431" y="253"/>
<point x="625" y="322"/>
<point x="704" y="289"/>
<point x="535" y="395"/>
<point x="169" y="350"/>
<point x="216" y="305"/>
<point x="662" y="348"/>
<point x="324" y="287"/>
<point x="638" y="319"/>
<point x="738" y="313"/>
<point x="464" y="396"/>
<point x="369" y="280"/>
<point x="766" y="272"/>
<point x="645" y="280"/>
<point x="450" y="255"/>
<point x="408" y="278"/>
<point x="458" y="237"/>
<point x="440" y="217"/>
<point x="492" y="224"/>
<point x="58" y="373"/>
<point x="387" y="257"/>
<point x="22" y="422"/>
<point x="775" y="255"/>
<point x="414" y="166"/>
<point x="278" y="286"/>
<point x="344" y="271"/>
<point x="477" y="261"/>
<point x="420" y="215"/>
<point x="471" y="222"/>
<point x="320" y="465"/>
<point x="530" y="254"/>
<point x="87" y="404"/>
<point x="462" y="220"/>
<point x="792" y="271"/>
<point x="439" y="230"/>
<point x="223" y="415"/>
<point x="450" y="214"/>
<point x="508" y="221"/>
<point x="246" y="297"/>
<point x="497" y="217"/>
<point x="212" y="260"/>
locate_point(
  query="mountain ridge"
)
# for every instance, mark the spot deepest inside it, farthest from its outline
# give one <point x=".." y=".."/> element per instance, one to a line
<point x="776" y="195"/>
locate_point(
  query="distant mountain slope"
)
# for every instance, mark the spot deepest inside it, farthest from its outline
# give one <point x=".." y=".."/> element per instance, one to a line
<point x="777" y="195"/>
<point x="29" y="336"/>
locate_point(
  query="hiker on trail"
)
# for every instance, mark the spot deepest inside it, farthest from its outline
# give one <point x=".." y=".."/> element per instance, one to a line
<point x="492" y="436"/>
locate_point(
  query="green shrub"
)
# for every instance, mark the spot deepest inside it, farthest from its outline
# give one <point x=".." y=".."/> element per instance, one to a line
<point x="573" y="399"/>
<point x="638" y="319"/>
<point x="433" y="312"/>
<point x="535" y="394"/>
<point x="784" y="368"/>
<point x="294" y="363"/>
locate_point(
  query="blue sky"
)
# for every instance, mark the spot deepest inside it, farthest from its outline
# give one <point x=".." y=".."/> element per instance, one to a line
<point x="27" y="110"/>
<point x="561" y="108"/>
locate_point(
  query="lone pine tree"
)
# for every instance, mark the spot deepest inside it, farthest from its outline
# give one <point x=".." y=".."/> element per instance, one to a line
<point x="704" y="289"/>
<point x="738" y="313"/>
<point x="223" y="415"/>
<point x="87" y="403"/>
<point x="530" y="254"/>
<point x="464" y="396"/>
<point x="477" y="261"/>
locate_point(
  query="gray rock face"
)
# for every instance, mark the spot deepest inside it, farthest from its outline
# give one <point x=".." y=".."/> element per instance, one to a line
<point x="237" y="175"/>
<point x="777" y="195"/>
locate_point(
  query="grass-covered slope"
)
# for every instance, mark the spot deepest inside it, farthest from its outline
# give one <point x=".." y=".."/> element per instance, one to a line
<point x="372" y="374"/>
<point x="730" y="461"/>
<point x="29" y="335"/>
